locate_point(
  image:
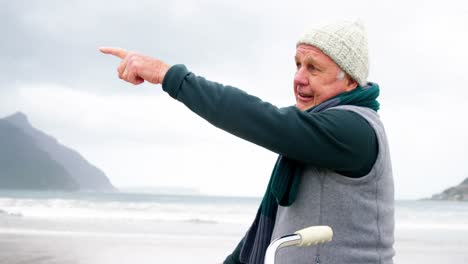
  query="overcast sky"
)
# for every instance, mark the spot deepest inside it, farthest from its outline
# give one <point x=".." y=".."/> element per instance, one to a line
<point x="51" y="70"/>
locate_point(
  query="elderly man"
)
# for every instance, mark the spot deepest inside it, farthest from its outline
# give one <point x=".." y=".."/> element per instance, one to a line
<point x="334" y="164"/>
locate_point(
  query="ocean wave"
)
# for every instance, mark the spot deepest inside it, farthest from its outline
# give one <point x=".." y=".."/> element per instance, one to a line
<point x="201" y="221"/>
<point x="76" y="233"/>
<point x="130" y="210"/>
<point x="6" y="213"/>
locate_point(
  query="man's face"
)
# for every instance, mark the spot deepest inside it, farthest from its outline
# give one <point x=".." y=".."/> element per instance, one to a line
<point x="316" y="79"/>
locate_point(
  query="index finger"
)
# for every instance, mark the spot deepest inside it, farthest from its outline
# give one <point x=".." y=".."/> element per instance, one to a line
<point x="119" y="52"/>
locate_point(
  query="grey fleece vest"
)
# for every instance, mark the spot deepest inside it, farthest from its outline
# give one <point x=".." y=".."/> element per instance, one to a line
<point x="360" y="211"/>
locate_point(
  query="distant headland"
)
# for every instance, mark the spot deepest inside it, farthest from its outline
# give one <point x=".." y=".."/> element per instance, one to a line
<point x="32" y="160"/>
<point x="456" y="193"/>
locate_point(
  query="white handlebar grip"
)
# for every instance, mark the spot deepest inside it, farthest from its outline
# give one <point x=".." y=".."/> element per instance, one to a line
<point x="314" y="235"/>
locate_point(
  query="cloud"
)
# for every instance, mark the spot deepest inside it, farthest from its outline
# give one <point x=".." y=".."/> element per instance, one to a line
<point x="114" y="116"/>
<point x="60" y="44"/>
<point x="428" y="143"/>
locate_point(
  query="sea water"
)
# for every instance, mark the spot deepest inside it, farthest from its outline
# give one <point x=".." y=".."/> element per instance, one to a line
<point x="134" y="207"/>
<point x="87" y="228"/>
<point x="128" y="206"/>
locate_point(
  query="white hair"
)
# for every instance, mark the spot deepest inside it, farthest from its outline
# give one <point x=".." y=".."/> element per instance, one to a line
<point x="340" y="76"/>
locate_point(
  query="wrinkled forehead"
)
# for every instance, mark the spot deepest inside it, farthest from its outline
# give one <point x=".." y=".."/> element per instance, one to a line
<point x="305" y="50"/>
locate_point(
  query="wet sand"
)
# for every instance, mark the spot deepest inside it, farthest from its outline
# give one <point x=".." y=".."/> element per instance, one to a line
<point x="42" y="242"/>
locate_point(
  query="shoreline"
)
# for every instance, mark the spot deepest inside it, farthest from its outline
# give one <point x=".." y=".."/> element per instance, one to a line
<point x="411" y="246"/>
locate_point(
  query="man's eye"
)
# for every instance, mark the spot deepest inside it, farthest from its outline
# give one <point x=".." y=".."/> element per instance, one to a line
<point x="311" y="67"/>
<point x="298" y="65"/>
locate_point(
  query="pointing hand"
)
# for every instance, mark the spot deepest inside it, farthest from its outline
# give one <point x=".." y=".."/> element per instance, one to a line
<point x="137" y="68"/>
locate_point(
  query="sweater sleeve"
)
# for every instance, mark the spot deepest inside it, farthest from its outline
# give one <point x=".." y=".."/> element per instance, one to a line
<point x="334" y="139"/>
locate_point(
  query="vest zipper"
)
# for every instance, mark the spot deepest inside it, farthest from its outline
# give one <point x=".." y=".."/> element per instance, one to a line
<point x="322" y="179"/>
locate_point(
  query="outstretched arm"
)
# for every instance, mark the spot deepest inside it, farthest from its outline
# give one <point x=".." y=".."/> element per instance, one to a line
<point x="335" y="139"/>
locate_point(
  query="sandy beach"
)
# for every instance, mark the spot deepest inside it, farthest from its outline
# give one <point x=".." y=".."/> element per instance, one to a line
<point x="42" y="249"/>
<point x="202" y="244"/>
<point x="173" y="243"/>
<point x="431" y="246"/>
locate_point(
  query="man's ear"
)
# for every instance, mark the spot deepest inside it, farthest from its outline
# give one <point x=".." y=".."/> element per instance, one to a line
<point x="351" y="84"/>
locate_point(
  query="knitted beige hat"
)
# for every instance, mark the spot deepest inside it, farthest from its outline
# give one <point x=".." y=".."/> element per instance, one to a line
<point x="345" y="43"/>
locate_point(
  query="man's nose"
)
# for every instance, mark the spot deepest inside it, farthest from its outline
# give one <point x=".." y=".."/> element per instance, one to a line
<point x="300" y="77"/>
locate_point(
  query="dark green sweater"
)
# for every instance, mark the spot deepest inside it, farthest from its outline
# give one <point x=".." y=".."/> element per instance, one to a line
<point x="338" y="140"/>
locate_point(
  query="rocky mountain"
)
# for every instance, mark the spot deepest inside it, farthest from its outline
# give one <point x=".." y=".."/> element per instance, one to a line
<point x="31" y="159"/>
<point x="456" y="193"/>
<point x="23" y="165"/>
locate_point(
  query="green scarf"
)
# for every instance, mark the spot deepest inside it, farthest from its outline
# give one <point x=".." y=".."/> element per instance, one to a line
<point x="284" y="183"/>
